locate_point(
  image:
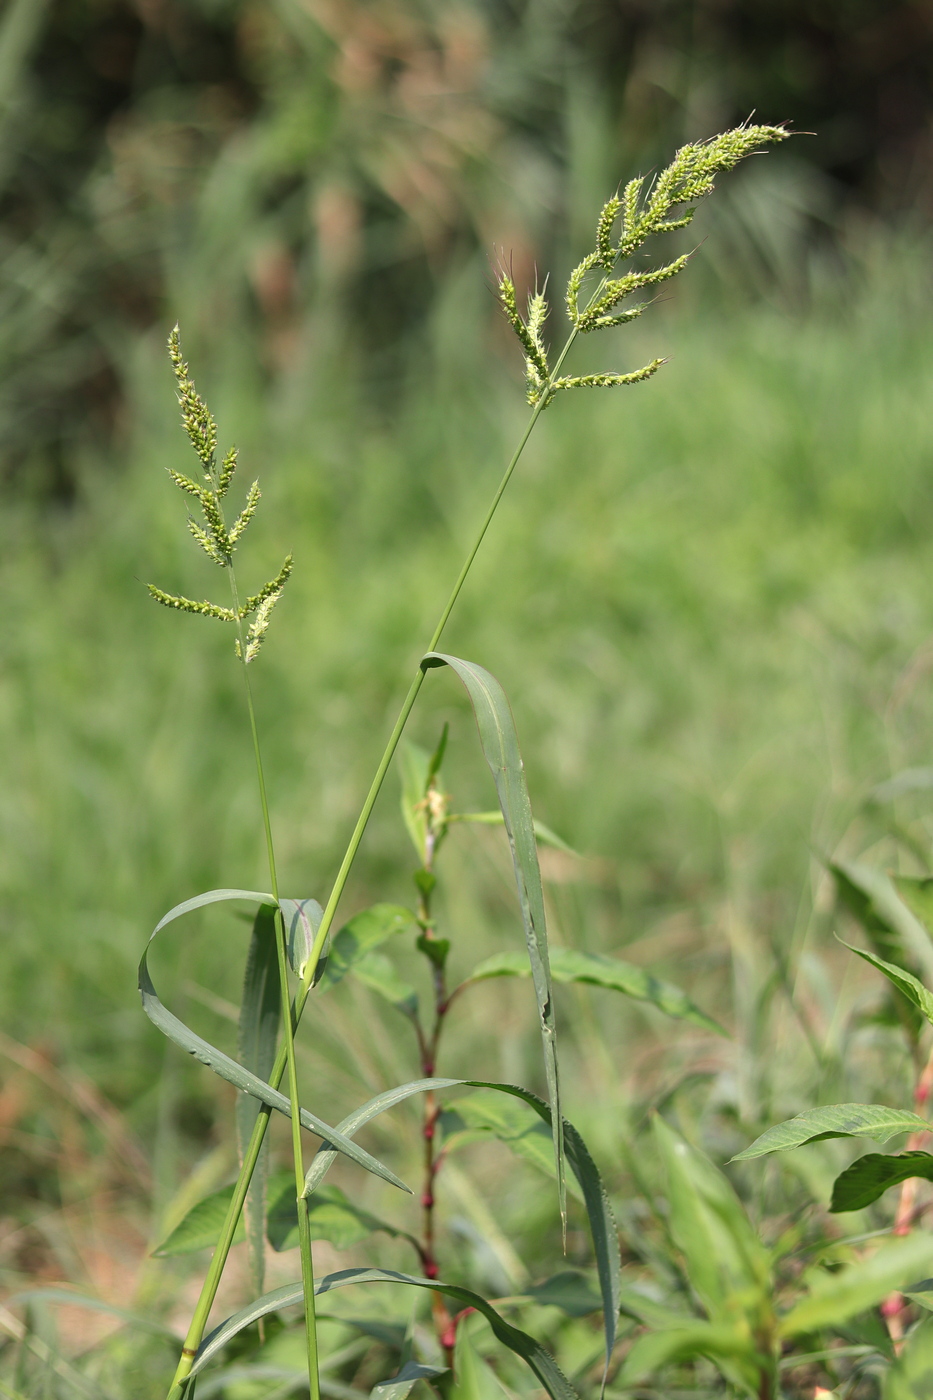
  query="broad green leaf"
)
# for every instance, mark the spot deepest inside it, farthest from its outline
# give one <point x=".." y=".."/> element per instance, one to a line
<point x="500" y="749"/>
<point x="331" y="1216"/>
<point x="836" y="1120"/>
<point x="545" y="836"/>
<point x="260" y="1016"/>
<point x="569" y="965"/>
<point x="201" y="1227"/>
<point x="375" y="971"/>
<point x="834" y="1297"/>
<point x="570" y="1291"/>
<point x="718" y="1342"/>
<point x="302" y="921"/>
<point x="723" y="1257"/>
<point x="868" y="1178"/>
<point x="222" y="1064"/>
<point x="911" y="987"/>
<point x="400" y="1386"/>
<point x="598" y="1209"/>
<point x="540" y="1362"/>
<point x="360" y="936"/>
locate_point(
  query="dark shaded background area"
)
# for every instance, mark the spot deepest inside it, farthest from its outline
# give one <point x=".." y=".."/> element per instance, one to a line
<point x="337" y="161"/>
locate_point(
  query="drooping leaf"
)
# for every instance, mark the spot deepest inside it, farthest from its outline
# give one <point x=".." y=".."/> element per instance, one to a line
<point x="893" y="931"/>
<point x="302" y="921"/>
<point x="400" y="1386"/>
<point x="906" y="983"/>
<point x="720" y="1343"/>
<point x="723" y="1256"/>
<point x="201" y="1227"/>
<point x="836" y="1120"/>
<point x="570" y="965"/>
<point x="331" y="1217"/>
<point x="835" y="1297"/>
<point x="222" y="1064"/>
<point x="868" y="1178"/>
<point x="507" y="1119"/>
<point x="539" y="1361"/>
<point x="598" y="1209"/>
<point x="364" y="932"/>
<point x="500" y="749"/>
<point x="257" y="1034"/>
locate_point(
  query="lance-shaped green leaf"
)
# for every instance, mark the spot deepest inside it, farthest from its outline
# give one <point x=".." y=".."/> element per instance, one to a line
<point x="592" y="969"/>
<point x="598" y="1209"/>
<point x="500" y="749"/>
<point x="201" y="1227"/>
<point x="917" y="894"/>
<point x="222" y="1064"/>
<point x="539" y="1361"/>
<point x="509" y="1120"/>
<point x="543" y="834"/>
<point x="838" y="1296"/>
<point x="260" y="1015"/>
<point x="331" y="1217"/>
<point x="364" y="932"/>
<point x="836" y="1120"/>
<point x="893" y="931"/>
<point x="401" y="1385"/>
<point x="906" y="983"/>
<point x="868" y="1178"/>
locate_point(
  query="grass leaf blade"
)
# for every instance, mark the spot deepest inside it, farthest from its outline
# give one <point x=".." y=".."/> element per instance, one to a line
<point x="257" y="1035"/>
<point x="500" y="748"/>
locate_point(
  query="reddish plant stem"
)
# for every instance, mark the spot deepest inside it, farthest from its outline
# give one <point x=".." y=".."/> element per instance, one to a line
<point x="894" y="1307"/>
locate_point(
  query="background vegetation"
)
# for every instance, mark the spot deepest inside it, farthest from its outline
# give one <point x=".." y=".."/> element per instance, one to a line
<point x="708" y="597"/>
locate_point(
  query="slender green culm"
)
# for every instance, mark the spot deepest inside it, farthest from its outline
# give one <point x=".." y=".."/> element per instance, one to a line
<point x="594" y="296"/>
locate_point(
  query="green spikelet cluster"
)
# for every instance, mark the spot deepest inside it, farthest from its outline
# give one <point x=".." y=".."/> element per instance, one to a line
<point x="627" y="221"/>
<point x="217" y="541"/>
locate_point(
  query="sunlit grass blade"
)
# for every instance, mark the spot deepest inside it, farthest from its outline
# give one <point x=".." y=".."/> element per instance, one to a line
<point x="258" y="1030"/>
<point x="236" y="1074"/>
<point x="868" y="1178"/>
<point x="540" y="1361"/>
<point x="836" y="1120"/>
<point x="595" y="970"/>
<point x="500" y="749"/>
<point x="835" y="1297"/>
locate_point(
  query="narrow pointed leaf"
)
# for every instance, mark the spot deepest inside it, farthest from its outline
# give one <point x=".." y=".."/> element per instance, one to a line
<point x="569" y="965"/>
<point x="400" y="1386"/>
<point x="364" y="932"/>
<point x="893" y="930"/>
<point x="836" y="1120"/>
<point x="415" y="764"/>
<point x="260" y="1015"/>
<point x="838" y="1296"/>
<point x="540" y="1362"/>
<point x="545" y="836"/>
<point x="222" y="1064"/>
<point x="598" y="1210"/>
<point x="917" y="894"/>
<point x="905" y="982"/>
<point x="868" y="1178"/>
<point x="500" y="748"/>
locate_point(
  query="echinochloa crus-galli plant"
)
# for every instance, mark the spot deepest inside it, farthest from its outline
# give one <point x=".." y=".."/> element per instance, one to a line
<point x="290" y="936"/>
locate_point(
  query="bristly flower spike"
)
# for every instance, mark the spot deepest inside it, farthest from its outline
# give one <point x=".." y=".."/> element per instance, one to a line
<point x="217" y="542"/>
<point x="639" y="214"/>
